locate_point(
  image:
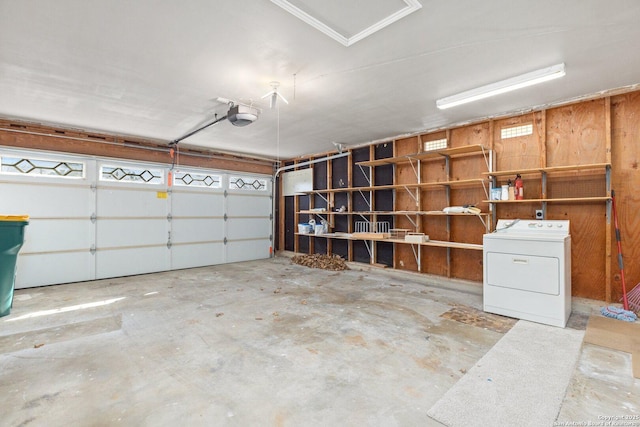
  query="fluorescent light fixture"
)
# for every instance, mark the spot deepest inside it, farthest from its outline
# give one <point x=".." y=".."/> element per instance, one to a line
<point x="513" y="83"/>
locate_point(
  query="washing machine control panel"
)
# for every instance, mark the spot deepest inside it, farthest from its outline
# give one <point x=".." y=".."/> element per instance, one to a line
<point x="510" y="226"/>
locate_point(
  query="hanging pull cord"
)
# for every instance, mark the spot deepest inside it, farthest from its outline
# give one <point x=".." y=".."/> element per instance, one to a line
<point x="172" y="153"/>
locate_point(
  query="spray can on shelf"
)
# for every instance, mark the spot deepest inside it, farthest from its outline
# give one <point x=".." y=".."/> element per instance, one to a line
<point x="512" y="194"/>
<point x="519" y="187"/>
<point x="504" y="194"/>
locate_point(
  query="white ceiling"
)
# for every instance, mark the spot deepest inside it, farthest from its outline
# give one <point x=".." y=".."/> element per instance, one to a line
<point x="154" y="68"/>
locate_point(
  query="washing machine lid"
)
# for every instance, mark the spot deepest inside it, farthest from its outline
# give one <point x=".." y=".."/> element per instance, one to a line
<point x="530" y="229"/>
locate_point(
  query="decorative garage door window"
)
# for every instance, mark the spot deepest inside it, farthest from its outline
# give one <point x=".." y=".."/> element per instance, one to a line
<point x="247" y="183"/>
<point x="194" y="179"/>
<point x="41" y="167"/>
<point x="138" y="175"/>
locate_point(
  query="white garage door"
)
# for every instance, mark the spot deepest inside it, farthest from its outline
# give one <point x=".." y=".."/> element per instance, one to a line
<point x="93" y="218"/>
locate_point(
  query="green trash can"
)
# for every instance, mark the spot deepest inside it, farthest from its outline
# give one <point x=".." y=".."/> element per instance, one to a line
<point x="11" y="240"/>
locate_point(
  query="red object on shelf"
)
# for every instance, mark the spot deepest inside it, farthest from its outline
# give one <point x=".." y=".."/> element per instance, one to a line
<point x="519" y="188"/>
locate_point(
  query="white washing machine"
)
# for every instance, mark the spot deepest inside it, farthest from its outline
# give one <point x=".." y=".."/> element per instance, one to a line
<point x="527" y="270"/>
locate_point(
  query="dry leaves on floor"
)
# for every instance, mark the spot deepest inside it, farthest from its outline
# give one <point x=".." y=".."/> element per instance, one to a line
<point x="325" y="262"/>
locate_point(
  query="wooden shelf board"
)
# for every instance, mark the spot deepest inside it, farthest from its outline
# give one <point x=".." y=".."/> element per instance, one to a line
<point x="451" y="152"/>
<point x="531" y="171"/>
<point x="435" y="154"/>
<point x="436" y="243"/>
<point x="459" y="182"/>
<point x="451" y="183"/>
<point x="387" y="161"/>
<point x="558" y="200"/>
<point x="370" y="213"/>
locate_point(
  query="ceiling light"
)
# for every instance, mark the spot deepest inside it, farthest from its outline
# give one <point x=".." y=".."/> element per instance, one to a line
<point x="274" y="94"/>
<point x="513" y="83"/>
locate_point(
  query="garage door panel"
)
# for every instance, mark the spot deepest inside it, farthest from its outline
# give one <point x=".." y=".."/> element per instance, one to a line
<point x="47" y="201"/>
<point x="197" y="204"/>
<point x="244" y="228"/>
<point x="241" y="205"/>
<point x="54" y="268"/>
<point x="197" y="255"/>
<point x="131" y="203"/>
<point x="197" y="230"/>
<point x="131" y="232"/>
<point x="127" y="262"/>
<point x="43" y="235"/>
<point x="248" y="250"/>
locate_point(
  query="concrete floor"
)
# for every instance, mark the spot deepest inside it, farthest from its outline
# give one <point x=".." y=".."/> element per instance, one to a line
<point x="262" y="343"/>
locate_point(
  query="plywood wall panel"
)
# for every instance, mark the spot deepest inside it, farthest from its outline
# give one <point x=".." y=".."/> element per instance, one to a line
<point x="576" y="134"/>
<point x="466" y="264"/>
<point x="433" y="171"/>
<point x="404" y="258"/>
<point x="523" y="152"/>
<point x="472" y="195"/>
<point x="477" y="133"/>
<point x="587" y="246"/>
<point x="435" y="227"/>
<point x="434" y="199"/>
<point x="405" y="146"/>
<point x="625" y="158"/>
<point x="434" y="261"/>
<point x="519" y="211"/>
<point x="575" y="185"/>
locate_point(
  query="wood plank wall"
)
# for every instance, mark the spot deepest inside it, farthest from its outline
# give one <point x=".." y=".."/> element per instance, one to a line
<point x="594" y="131"/>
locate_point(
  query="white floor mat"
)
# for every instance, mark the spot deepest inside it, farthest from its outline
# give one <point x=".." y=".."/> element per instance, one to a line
<point x="521" y="381"/>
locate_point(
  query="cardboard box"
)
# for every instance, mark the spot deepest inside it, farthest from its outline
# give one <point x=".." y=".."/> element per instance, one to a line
<point x="618" y="335"/>
<point x="416" y="238"/>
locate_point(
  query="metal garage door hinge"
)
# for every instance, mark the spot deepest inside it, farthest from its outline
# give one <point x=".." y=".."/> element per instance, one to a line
<point x="94" y="217"/>
<point x="271" y="237"/>
<point x="225" y="240"/>
<point x="92" y="249"/>
<point x="169" y="217"/>
<point x="93" y="186"/>
<point x="271" y="216"/>
<point x="169" y="241"/>
<point x="225" y="217"/>
<point x="225" y="193"/>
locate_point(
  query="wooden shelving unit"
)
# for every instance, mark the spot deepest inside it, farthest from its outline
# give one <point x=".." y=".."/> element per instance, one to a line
<point x="569" y="157"/>
<point x="414" y="189"/>
<point x="544" y="172"/>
